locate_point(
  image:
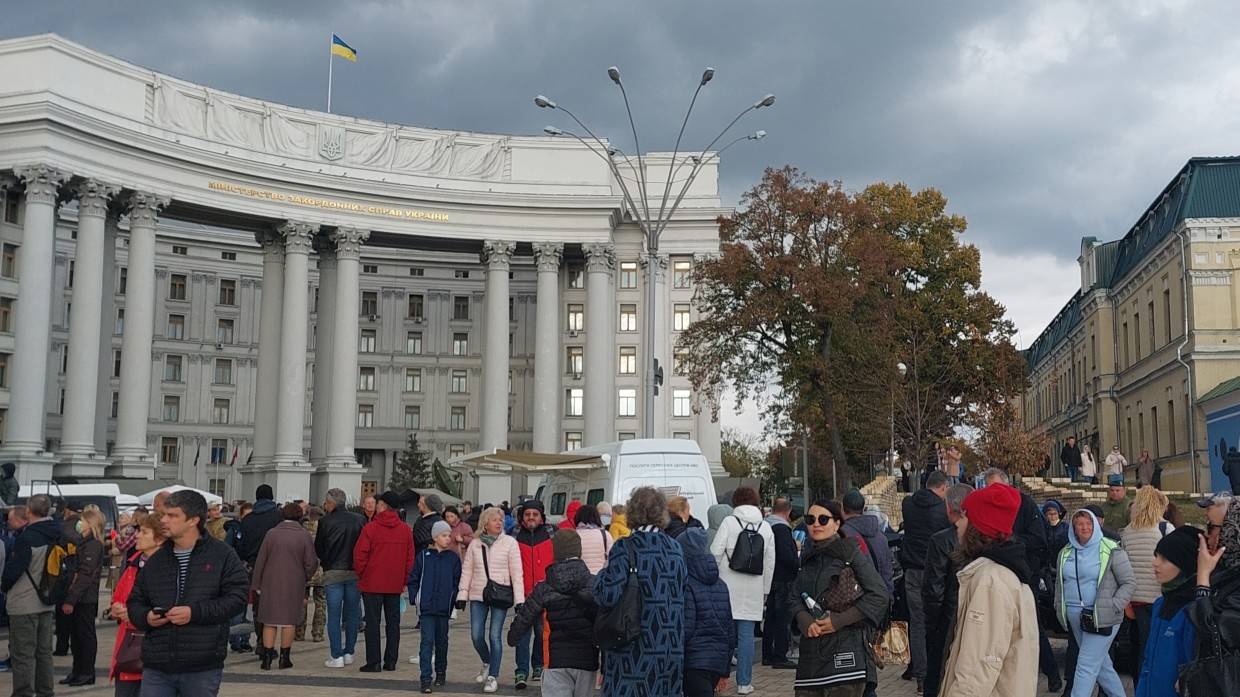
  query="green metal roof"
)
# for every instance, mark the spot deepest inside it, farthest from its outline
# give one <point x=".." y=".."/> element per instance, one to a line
<point x="1225" y="387"/>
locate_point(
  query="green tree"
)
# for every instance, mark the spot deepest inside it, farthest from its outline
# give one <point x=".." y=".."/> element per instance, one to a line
<point x="413" y="468"/>
<point x="740" y="454"/>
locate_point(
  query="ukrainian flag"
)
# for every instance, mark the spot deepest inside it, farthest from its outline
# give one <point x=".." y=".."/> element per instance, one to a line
<point x="340" y="48"/>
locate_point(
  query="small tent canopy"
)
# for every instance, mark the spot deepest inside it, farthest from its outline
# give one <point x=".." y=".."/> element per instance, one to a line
<point x="149" y="497"/>
<point x="526" y="462"/>
<point x="446" y="498"/>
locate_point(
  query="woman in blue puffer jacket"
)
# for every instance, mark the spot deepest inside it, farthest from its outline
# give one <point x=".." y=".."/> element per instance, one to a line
<point x="709" y="635"/>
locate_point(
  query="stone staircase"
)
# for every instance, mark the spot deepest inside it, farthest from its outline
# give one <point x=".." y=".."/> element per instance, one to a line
<point x="884" y="493"/>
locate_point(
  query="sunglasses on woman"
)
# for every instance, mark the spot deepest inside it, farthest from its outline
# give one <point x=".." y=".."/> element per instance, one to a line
<point x="822" y="519"/>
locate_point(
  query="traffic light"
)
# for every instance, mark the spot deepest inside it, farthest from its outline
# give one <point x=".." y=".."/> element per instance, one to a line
<point x="658" y="377"/>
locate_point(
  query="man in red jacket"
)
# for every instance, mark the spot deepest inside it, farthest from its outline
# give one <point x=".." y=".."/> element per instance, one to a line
<point x="382" y="559"/>
<point x="534" y="540"/>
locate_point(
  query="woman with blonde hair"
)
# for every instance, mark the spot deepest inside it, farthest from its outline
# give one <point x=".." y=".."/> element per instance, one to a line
<point x="81" y="603"/>
<point x="492" y="557"/>
<point x="1145" y="529"/>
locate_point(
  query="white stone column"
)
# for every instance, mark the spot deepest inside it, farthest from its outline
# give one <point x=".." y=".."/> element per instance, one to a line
<point x="77" y="441"/>
<point x="547" y="349"/>
<point x="600" y="367"/>
<point x="291" y="420"/>
<point x="494" y="425"/>
<point x="658" y="347"/>
<point x="107" y="318"/>
<point x="268" y="368"/>
<point x="24" y="436"/>
<point x="341" y="468"/>
<point x="320" y="421"/>
<point x="131" y="457"/>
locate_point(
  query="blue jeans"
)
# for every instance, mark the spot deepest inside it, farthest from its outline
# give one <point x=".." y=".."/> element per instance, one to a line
<point x="1093" y="660"/>
<point x="434" y="639"/>
<point x="204" y="683"/>
<point x="523" y="649"/>
<point x="343" y="597"/>
<point x="744" y="651"/>
<point x="494" y="653"/>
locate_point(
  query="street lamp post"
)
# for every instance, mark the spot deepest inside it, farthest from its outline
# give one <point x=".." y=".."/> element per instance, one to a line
<point x="891" y="454"/>
<point x="652" y="222"/>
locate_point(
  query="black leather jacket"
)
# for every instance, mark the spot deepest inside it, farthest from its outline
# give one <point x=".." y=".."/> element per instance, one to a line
<point x="336" y="537"/>
<point x="940" y="588"/>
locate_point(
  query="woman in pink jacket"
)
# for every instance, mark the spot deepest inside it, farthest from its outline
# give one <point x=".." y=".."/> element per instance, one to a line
<point x="492" y="556"/>
<point x="595" y="541"/>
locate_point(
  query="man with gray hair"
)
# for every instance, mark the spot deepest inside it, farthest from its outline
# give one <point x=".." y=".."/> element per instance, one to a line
<point x="30" y="616"/>
<point x="333" y="543"/>
<point x="431" y="509"/>
<point x="940" y="588"/>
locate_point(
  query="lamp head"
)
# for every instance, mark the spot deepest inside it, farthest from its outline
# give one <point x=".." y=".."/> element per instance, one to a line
<point x="757" y="135"/>
<point x="614" y="73"/>
<point x="707" y="75"/>
<point x="902" y="368"/>
<point x="552" y="131"/>
<point x="765" y="101"/>
<point x="543" y="103"/>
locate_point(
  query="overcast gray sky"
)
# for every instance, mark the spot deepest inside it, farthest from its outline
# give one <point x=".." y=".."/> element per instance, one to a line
<point x="1042" y="122"/>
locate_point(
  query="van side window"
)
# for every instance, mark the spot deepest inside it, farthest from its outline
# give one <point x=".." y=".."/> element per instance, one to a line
<point x="593" y="497"/>
<point x="558" y="502"/>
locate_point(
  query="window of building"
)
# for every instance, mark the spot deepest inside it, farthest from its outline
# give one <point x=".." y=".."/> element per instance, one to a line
<point x="628" y="317"/>
<point x="8" y="262"/>
<point x="1154" y="450"/>
<point x="72" y="269"/>
<point x="456" y="419"/>
<point x="228" y="291"/>
<point x="60" y="408"/>
<point x="10" y="209"/>
<point x="370" y="268"/>
<point x="628" y="360"/>
<point x="366" y="378"/>
<point x="628" y="274"/>
<point x="572" y="440"/>
<point x="456" y="449"/>
<point x="6" y="314"/>
<point x="625" y="435"/>
<point x="1136" y="335"/>
<point x="219" y="451"/>
<point x="460" y="307"/>
<point x="576" y="360"/>
<point x="172" y="368"/>
<point x="4" y="370"/>
<point x="417" y="271"/>
<point x="168" y="451"/>
<point x="460" y="344"/>
<point x="680" y="317"/>
<point x="368" y="341"/>
<point x="176" y="286"/>
<point x="119" y="328"/>
<point x="370" y="303"/>
<point x="223" y="371"/>
<point x="116" y="404"/>
<point x="228" y="256"/>
<point x="512" y="309"/>
<point x="682" y="273"/>
<point x="1127" y="357"/>
<point x="116" y="363"/>
<point x="172" y="409"/>
<point x="416" y="306"/>
<point x="122" y="280"/>
<point x="574" y="401"/>
<point x="576" y="317"/>
<point x="181" y="250"/>
<point x="680" y="403"/>
<point x="576" y="277"/>
<point x="413" y="379"/>
<point x="64" y="360"/>
<point x="681" y="435"/>
<point x="220" y="411"/>
<point x="460" y="380"/>
<point x="460" y="273"/>
<point x="413" y="417"/>
<point x="1171" y="424"/>
<point x="413" y="343"/>
<point x="1167" y="315"/>
<point x="365" y="416"/>
<point x="680" y="362"/>
<point x="627" y="405"/>
<point x="1153" y="335"/>
<point x="224" y="331"/>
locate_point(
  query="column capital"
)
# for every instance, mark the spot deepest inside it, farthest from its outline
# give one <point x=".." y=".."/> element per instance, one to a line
<point x="600" y="257"/>
<point x="93" y="197"/>
<point x="660" y="261"/>
<point x="298" y="236"/>
<point x="497" y="254"/>
<point x="702" y="257"/>
<point x="42" y="182"/>
<point x="143" y="208"/>
<point x="349" y="242"/>
<point x="547" y="255"/>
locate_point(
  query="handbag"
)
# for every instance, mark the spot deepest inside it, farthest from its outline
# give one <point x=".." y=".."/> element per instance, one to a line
<point x="494" y="594"/>
<point x="1089" y="623"/>
<point x="618" y="626"/>
<point x="129" y="653"/>
<point x="1216" y="674"/>
<point x="845" y="592"/>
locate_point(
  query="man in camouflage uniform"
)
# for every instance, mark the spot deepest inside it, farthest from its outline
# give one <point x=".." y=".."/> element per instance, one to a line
<point x="314" y="589"/>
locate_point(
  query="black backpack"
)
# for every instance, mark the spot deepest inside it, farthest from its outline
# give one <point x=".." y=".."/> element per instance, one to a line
<point x="747" y="555"/>
<point x="621" y="625"/>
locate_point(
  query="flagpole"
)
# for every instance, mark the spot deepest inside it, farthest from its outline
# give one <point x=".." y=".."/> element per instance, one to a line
<point x="330" y="55"/>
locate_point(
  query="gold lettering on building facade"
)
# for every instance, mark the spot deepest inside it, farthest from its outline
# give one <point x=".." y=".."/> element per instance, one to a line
<point x="329" y="204"/>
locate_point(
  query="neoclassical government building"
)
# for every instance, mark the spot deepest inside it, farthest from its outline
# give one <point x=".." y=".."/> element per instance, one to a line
<point x="202" y="287"/>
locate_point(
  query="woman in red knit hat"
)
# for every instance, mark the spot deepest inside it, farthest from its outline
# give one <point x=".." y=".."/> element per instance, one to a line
<point x="995" y="651"/>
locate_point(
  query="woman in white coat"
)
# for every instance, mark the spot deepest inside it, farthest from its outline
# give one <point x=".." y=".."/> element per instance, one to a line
<point x="1089" y="464"/>
<point x="747" y="591"/>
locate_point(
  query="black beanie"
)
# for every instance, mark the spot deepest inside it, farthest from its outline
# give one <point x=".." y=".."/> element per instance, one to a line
<point x="1180" y="548"/>
<point x="263" y="493"/>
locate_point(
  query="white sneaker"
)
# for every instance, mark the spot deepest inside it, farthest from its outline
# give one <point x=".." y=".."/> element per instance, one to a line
<point x="744" y="689"/>
<point x="348" y="659"/>
<point x="413" y="658"/>
<point x="492" y="685"/>
<point x="334" y="662"/>
<point x="482" y="674"/>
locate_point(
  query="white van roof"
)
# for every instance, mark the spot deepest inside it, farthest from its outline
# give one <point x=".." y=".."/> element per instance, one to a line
<point x="100" y="489"/>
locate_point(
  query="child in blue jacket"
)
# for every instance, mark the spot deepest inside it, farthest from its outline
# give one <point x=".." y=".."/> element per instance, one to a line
<point x="709" y="635"/>
<point x="1172" y="638"/>
<point x="433" y="586"/>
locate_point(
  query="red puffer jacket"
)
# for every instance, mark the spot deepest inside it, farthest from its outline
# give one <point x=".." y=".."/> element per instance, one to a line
<point x="383" y="555"/>
<point x="536" y="554"/>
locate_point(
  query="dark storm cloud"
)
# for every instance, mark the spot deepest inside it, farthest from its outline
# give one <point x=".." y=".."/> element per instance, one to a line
<point x="1041" y="121"/>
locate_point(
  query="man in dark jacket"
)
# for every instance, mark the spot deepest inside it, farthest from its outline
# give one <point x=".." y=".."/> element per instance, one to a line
<point x="183" y="600"/>
<point x="1070" y="456"/>
<point x="941" y="588"/>
<point x="30" y="619"/>
<point x="710" y="636"/>
<point x="533" y="536"/>
<point x="333" y="543"/>
<point x="777" y="629"/>
<point x="431" y="509"/>
<point x="857" y="523"/>
<point x="925" y="513"/>
<point x="566" y="598"/>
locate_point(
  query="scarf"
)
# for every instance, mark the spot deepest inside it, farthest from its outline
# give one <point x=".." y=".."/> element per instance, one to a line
<point x="1176" y="594"/>
<point x="488" y="540"/>
<point x="1229" y="537"/>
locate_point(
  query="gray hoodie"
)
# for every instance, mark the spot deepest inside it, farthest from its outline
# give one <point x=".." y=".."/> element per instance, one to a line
<point x="715" y="515"/>
<point x="871" y="530"/>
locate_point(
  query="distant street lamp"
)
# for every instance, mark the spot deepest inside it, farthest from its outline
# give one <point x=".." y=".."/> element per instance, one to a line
<point x="891" y="454"/>
<point x="652" y="222"/>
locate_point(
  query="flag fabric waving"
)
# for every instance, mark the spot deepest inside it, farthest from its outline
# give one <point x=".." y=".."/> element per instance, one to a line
<point x="345" y="51"/>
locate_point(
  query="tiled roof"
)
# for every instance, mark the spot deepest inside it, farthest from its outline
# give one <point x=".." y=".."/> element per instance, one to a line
<point x="1225" y="387"/>
<point x="1058" y="330"/>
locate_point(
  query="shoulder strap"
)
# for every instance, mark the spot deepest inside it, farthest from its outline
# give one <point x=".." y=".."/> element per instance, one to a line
<point x="486" y="568"/>
<point x="632" y="556"/>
